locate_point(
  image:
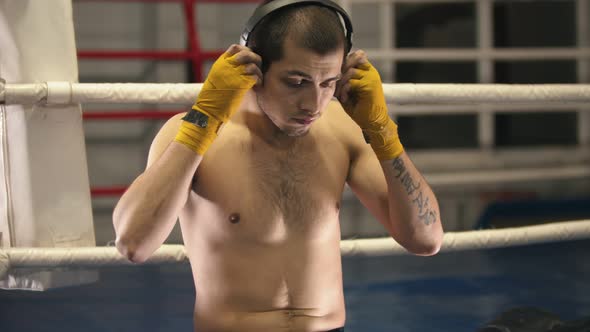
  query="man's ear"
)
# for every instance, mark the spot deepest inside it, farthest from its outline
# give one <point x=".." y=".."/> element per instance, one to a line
<point x="259" y="85"/>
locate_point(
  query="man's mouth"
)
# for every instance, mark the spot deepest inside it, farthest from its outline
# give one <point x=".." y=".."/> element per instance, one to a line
<point x="304" y="121"/>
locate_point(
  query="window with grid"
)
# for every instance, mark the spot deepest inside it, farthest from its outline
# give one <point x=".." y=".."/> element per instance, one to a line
<point x="480" y="41"/>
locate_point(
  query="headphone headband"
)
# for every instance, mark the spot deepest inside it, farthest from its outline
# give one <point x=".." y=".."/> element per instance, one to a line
<point x="272" y="6"/>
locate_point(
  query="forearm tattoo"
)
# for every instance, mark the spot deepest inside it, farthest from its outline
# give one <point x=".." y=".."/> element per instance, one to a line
<point x="425" y="211"/>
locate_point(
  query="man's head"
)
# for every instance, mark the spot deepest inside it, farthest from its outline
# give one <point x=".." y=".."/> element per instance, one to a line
<point x="310" y="25"/>
<point x="302" y="49"/>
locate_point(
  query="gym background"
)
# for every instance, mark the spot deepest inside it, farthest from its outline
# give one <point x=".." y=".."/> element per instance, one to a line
<point x="461" y="41"/>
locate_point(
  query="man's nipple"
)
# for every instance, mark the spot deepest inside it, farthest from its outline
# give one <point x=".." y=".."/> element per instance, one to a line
<point x="234" y="218"/>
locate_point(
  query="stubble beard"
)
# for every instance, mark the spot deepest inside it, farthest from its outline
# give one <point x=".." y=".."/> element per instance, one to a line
<point x="297" y="132"/>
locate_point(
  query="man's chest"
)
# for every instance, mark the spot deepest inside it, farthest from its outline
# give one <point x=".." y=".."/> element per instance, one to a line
<point x="275" y="189"/>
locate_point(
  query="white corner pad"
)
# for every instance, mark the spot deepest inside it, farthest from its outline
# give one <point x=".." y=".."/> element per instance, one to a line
<point x="2" y="90"/>
<point x="4" y="264"/>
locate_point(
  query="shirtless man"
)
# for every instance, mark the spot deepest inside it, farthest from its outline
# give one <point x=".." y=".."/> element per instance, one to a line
<point x="255" y="173"/>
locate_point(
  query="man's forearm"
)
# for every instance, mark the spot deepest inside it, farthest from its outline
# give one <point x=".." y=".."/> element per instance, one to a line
<point x="414" y="213"/>
<point x="148" y="210"/>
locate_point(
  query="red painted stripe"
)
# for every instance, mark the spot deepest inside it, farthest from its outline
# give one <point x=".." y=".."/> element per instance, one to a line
<point x="107" y="191"/>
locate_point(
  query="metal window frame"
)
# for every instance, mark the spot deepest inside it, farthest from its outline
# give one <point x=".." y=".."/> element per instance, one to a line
<point x="484" y="54"/>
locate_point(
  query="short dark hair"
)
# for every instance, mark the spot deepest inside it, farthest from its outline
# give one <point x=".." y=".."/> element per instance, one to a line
<point x="313" y="27"/>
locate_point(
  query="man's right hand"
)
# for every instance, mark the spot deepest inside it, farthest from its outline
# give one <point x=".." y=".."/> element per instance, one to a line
<point x="232" y="75"/>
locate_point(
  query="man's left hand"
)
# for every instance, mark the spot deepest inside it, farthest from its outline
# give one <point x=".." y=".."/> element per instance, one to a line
<point x="360" y="92"/>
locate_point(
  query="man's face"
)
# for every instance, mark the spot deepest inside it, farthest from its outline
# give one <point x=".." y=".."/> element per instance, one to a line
<point x="297" y="88"/>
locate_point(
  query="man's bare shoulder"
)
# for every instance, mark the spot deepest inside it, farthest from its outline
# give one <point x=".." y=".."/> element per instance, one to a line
<point x="342" y="124"/>
<point x="164" y="137"/>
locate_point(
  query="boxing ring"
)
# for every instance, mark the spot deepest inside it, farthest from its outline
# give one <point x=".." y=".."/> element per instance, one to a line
<point x="463" y="286"/>
<point x="456" y="291"/>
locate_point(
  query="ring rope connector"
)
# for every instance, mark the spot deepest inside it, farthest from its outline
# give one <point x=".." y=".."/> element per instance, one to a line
<point x="59" y="93"/>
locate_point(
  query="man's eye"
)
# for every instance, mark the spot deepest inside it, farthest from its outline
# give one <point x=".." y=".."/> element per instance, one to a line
<point x="294" y="84"/>
<point x="330" y="84"/>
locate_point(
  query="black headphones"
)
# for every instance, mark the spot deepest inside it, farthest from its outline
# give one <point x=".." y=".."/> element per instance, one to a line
<point x="270" y="7"/>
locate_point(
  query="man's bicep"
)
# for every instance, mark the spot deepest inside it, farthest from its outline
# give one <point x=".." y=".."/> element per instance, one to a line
<point x="367" y="181"/>
<point x="164" y="137"/>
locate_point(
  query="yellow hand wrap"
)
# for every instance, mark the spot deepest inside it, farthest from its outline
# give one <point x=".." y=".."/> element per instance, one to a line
<point x="220" y="97"/>
<point x="369" y="110"/>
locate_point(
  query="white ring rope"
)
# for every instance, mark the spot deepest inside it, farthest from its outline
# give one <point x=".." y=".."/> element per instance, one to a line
<point x="175" y="254"/>
<point x="491" y="176"/>
<point x="181" y="93"/>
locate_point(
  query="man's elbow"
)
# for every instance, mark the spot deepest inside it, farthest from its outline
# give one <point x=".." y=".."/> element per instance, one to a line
<point x="429" y="249"/>
<point x="424" y="247"/>
<point x="126" y="242"/>
<point x="130" y="250"/>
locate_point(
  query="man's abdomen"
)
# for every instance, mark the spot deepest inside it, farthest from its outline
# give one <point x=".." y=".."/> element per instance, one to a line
<point x="294" y="285"/>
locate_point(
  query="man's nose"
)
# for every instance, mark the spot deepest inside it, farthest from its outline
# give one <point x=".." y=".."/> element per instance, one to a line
<point x="312" y="99"/>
